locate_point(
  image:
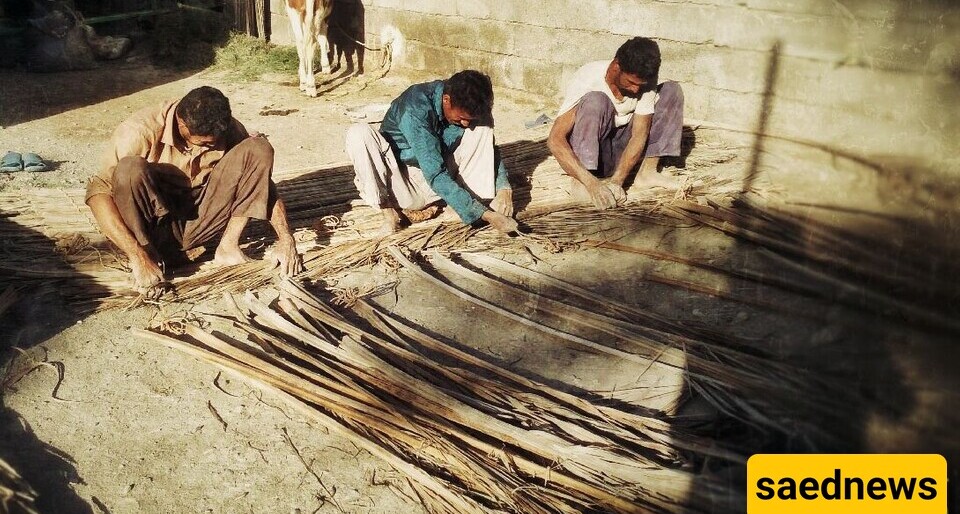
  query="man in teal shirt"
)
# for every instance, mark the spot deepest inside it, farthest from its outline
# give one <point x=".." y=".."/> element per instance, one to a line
<point x="435" y="143"/>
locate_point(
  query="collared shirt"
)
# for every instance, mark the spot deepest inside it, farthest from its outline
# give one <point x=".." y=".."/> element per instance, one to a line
<point x="149" y="133"/>
<point x="421" y="136"/>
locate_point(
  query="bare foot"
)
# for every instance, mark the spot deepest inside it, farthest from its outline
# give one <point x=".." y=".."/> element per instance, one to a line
<point x="654" y="179"/>
<point x="391" y="222"/>
<point x="416" y="216"/>
<point x="229" y="256"/>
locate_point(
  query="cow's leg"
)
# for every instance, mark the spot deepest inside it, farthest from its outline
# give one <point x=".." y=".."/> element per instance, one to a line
<point x="309" y="47"/>
<point x="296" y="24"/>
<point x="322" y="26"/>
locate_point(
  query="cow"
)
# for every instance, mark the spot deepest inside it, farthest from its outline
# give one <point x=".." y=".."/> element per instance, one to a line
<point x="310" y="20"/>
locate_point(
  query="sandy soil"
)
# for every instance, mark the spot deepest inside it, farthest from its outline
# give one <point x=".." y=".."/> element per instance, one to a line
<point x="137" y="428"/>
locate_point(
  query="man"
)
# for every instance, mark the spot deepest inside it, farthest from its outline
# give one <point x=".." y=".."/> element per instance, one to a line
<point x="612" y="115"/>
<point x="435" y="143"/>
<point x="180" y="174"/>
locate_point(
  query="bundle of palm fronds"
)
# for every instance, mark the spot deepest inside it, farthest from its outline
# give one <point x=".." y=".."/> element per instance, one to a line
<point x="548" y="226"/>
<point x="738" y="381"/>
<point x="906" y="270"/>
<point x="471" y="436"/>
<point x="16" y="495"/>
<point x="52" y="235"/>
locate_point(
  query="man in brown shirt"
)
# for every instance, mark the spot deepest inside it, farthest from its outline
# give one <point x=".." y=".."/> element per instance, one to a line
<point x="178" y="175"/>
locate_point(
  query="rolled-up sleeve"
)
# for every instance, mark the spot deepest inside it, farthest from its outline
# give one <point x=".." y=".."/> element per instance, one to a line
<point x="427" y="150"/>
<point x="128" y="140"/>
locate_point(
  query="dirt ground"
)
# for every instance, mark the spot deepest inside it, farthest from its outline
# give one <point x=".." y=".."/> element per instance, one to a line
<point x="138" y="428"/>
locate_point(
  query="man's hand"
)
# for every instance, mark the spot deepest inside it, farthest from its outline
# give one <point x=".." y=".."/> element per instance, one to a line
<point x="503" y="202"/>
<point x="601" y="195"/>
<point x="285" y="257"/>
<point x="619" y="195"/>
<point x="147" y="275"/>
<point x="500" y="222"/>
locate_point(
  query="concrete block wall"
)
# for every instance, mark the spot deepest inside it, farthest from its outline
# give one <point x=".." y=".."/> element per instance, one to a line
<point x="872" y="77"/>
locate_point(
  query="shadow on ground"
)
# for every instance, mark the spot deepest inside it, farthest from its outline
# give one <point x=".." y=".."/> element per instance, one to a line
<point x="863" y="377"/>
<point x="179" y="43"/>
<point x="40" y="312"/>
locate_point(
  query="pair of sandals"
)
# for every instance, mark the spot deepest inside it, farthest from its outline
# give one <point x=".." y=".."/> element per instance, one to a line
<point x="14" y="161"/>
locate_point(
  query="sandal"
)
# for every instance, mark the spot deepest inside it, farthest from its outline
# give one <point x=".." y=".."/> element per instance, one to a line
<point x="11" y="162"/>
<point x="33" y="162"/>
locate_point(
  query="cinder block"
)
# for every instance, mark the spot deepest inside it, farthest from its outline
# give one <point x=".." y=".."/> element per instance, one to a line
<point x="478" y="9"/>
<point x="564" y="46"/>
<point x="413" y="57"/>
<point x="494" y="36"/>
<point x="464" y="59"/>
<point x="442" y="61"/>
<point x="729" y="69"/>
<point x="818" y="7"/>
<point x="541" y="77"/>
<point x="757" y="30"/>
<point x="690" y="23"/>
<point x="678" y="60"/>
<point x="384" y="4"/>
<point x="280" y="31"/>
<point x="581" y="15"/>
<point x="443" y="7"/>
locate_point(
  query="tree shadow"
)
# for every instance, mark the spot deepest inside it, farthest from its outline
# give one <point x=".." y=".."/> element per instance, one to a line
<point x="42" y="310"/>
<point x="179" y="45"/>
<point x="48" y="470"/>
<point x="521" y="159"/>
<point x="876" y="286"/>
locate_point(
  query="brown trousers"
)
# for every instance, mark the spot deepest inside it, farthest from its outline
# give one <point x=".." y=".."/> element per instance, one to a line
<point x="161" y="208"/>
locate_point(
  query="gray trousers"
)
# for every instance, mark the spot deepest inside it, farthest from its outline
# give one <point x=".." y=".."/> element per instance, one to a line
<point x="598" y="143"/>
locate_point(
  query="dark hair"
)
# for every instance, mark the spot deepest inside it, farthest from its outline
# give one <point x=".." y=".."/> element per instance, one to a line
<point x="471" y="91"/>
<point x="205" y="112"/>
<point x="640" y="56"/>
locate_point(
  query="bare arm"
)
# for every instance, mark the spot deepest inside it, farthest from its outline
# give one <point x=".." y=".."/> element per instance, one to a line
<point x="146" y="272"/>
<point x="560" y="148"/>
<point x="634" y="150"/>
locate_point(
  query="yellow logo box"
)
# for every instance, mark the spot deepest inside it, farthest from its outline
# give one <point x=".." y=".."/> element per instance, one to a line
<point x="846" y="484"/>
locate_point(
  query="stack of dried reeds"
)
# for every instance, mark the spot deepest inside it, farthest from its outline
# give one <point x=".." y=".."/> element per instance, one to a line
<point x="16" y="495"/>
<point x="910" y="280"/>
<point x="471" y="436"/>
<point x="746" y="385"/>
<point x="52" y="235"/>
<point x="552" y="227"/>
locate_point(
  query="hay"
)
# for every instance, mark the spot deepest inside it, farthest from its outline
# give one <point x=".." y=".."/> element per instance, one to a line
<point x="471" y="436"/>
<point x="16" y="495"/>
<point x="56" y="238"/>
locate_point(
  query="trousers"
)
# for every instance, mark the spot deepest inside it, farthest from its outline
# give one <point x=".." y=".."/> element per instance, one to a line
<point x="383" y="181"/>
<point x="167" y="213"/>
<point x="598" y="143"/>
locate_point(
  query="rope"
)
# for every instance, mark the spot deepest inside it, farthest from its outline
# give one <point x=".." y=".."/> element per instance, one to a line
<point x="385" y="48"/>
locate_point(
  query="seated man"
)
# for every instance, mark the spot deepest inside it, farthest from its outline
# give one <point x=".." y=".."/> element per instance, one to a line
<point x="613" y="114"/>
<point x="435" y="143"/>
<point x="183" y="173"/>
